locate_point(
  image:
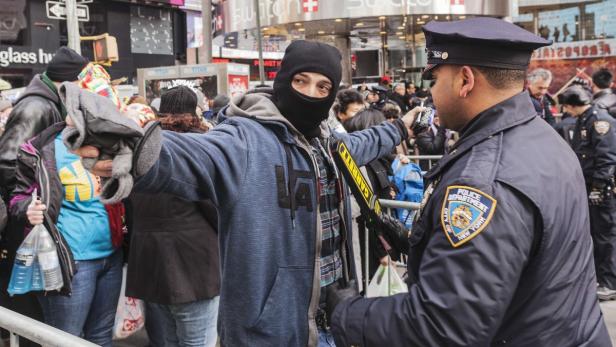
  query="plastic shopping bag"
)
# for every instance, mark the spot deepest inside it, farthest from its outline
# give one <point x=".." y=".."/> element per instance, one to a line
<point x="130" y="315"/>
<point x="386" y="282"/>
<point x="27" y="275"/>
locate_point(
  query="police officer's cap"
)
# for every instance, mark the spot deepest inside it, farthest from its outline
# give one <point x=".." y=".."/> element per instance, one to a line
<point x="481" y="41"/>
<point x="575" y="96"/>
<point x="379" y="89"/>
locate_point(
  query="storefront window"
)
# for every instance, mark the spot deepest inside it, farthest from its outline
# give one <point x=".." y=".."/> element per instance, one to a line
<point x="13" y="22"/>
<point x="151" y="30"/>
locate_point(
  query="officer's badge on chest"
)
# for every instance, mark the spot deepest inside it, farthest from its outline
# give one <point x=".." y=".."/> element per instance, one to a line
<point x="466" y="212"/>
<point x="584" y="134"/>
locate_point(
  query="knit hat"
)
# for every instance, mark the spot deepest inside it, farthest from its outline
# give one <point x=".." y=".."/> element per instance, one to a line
<point x="65" y="65"/>
<point x="96" y="79"/>
<point x="304" y="112"/>
<point x="178" y="100"/>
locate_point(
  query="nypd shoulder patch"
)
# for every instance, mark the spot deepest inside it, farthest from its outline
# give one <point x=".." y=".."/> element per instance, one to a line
<point x="466" y="212"/>
<point x="602" y="127"/>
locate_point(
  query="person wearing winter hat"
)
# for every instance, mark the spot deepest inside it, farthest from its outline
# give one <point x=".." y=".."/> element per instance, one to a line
<point x="282" y="206"/>
<point x="37" y="108"/>
<point x="183" y="309"/>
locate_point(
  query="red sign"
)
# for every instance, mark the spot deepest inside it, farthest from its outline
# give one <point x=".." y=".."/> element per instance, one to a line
<point x="457" y="2"/>
<point x="268" y="63"/>
<point x="576" y="50"/>
<point x="238" y="84"/>
<point x="564" y="69"/>
<point x="310" y="6"/>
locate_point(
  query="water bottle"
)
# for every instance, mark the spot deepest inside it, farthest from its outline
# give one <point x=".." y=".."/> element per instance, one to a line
<point x="26" y="275"/>
<point x="49" y="261"/>
<point x="21" y="277"/>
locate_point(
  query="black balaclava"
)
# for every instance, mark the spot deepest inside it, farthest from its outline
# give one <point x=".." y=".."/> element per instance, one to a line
<point x="304" y="112"/>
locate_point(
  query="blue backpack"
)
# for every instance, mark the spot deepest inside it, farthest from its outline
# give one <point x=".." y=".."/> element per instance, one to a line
<point x="409" y="182"/>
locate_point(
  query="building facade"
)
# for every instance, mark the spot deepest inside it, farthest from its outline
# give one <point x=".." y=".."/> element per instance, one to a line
<point x="148" y="35"/>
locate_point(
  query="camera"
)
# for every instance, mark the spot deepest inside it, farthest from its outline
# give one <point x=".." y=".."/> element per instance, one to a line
<point x="423" y="120"/>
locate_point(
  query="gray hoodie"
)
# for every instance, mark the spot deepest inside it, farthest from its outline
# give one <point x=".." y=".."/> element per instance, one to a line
<point x="261" y="174"/>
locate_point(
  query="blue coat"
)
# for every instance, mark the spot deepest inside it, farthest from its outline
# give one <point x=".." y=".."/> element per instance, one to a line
<point x="269" y="253"/>
<point x="502" y="253"/>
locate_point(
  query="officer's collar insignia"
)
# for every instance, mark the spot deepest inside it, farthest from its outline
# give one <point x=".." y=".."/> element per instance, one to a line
<point x="602" y="127"/>
<point x="466" y="212"/>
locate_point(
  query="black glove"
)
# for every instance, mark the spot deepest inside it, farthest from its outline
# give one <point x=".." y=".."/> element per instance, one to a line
<point x="597" y="193"/>
<point x="335" y="295"/>
<point x="395" y="233"/>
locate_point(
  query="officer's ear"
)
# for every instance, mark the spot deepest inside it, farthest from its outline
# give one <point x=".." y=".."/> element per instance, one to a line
<point x="468" y="81"/>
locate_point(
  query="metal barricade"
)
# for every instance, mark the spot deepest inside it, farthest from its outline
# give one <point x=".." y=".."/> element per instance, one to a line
<point x="387" y="206"/>
<point x="41" y="333"/>
<point x="430" y="158"/>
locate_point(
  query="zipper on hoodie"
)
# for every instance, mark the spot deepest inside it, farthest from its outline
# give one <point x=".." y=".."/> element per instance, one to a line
<point x="312" y="329"/>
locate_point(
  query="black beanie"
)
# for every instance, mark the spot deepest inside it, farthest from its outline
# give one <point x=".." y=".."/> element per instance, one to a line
<point x="65" y="65"/>
<point x="178" y="100"/>
<point x="306" y="113"/>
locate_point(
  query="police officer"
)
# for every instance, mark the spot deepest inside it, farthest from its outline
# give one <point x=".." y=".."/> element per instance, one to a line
<point x="594" y="142"/>
<point x="501" y="253"/>
<point x="603" y="96"/>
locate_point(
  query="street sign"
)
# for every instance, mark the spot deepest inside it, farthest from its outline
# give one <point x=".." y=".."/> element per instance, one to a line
<point x="57" y="10"/>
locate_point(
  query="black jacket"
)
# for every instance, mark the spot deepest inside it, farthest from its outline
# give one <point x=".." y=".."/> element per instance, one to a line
<point x="36" y="168"/>
<point x="543" y="109"/>
<point x="429" y="143"/>
<point x="516" y="270"/>
<point x="594" y="142"/>
<point x="173" y="255"/>
<point x="400" y="101"/>
<point x="34" y="111"/>
<point x="606" y="100"/>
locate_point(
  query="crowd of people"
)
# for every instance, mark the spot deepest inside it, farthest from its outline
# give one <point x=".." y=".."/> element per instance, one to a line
<point x="236" y="225"/>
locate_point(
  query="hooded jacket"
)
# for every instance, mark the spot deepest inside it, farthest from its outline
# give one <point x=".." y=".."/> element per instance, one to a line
<point x="255" y="166"/>
<point x="34" y="111"/>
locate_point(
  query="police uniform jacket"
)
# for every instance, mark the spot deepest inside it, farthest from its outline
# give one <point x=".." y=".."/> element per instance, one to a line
<point x="594" y="142"/>
<point x="501" y="253"/>
<point x="606" y="99"/>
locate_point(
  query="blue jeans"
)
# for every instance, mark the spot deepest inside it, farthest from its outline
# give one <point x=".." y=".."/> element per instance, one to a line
<point x="90" y="310"/>
<point x="190" y="324"/>
<point x="326" y="339"/>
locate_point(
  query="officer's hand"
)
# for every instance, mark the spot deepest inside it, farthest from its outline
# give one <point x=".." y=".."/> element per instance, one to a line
<point x="336" y="295"/>
<point x="595" y="197"/>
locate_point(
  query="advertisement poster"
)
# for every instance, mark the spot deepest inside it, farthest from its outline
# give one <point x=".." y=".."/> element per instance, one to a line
<point x="238" y="84"/>
<point x="208" y="85"/>
<point x="565" y="69"/>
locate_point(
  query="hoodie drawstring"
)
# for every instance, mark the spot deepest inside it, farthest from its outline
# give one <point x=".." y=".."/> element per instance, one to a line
<point x="292" y="179"/>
